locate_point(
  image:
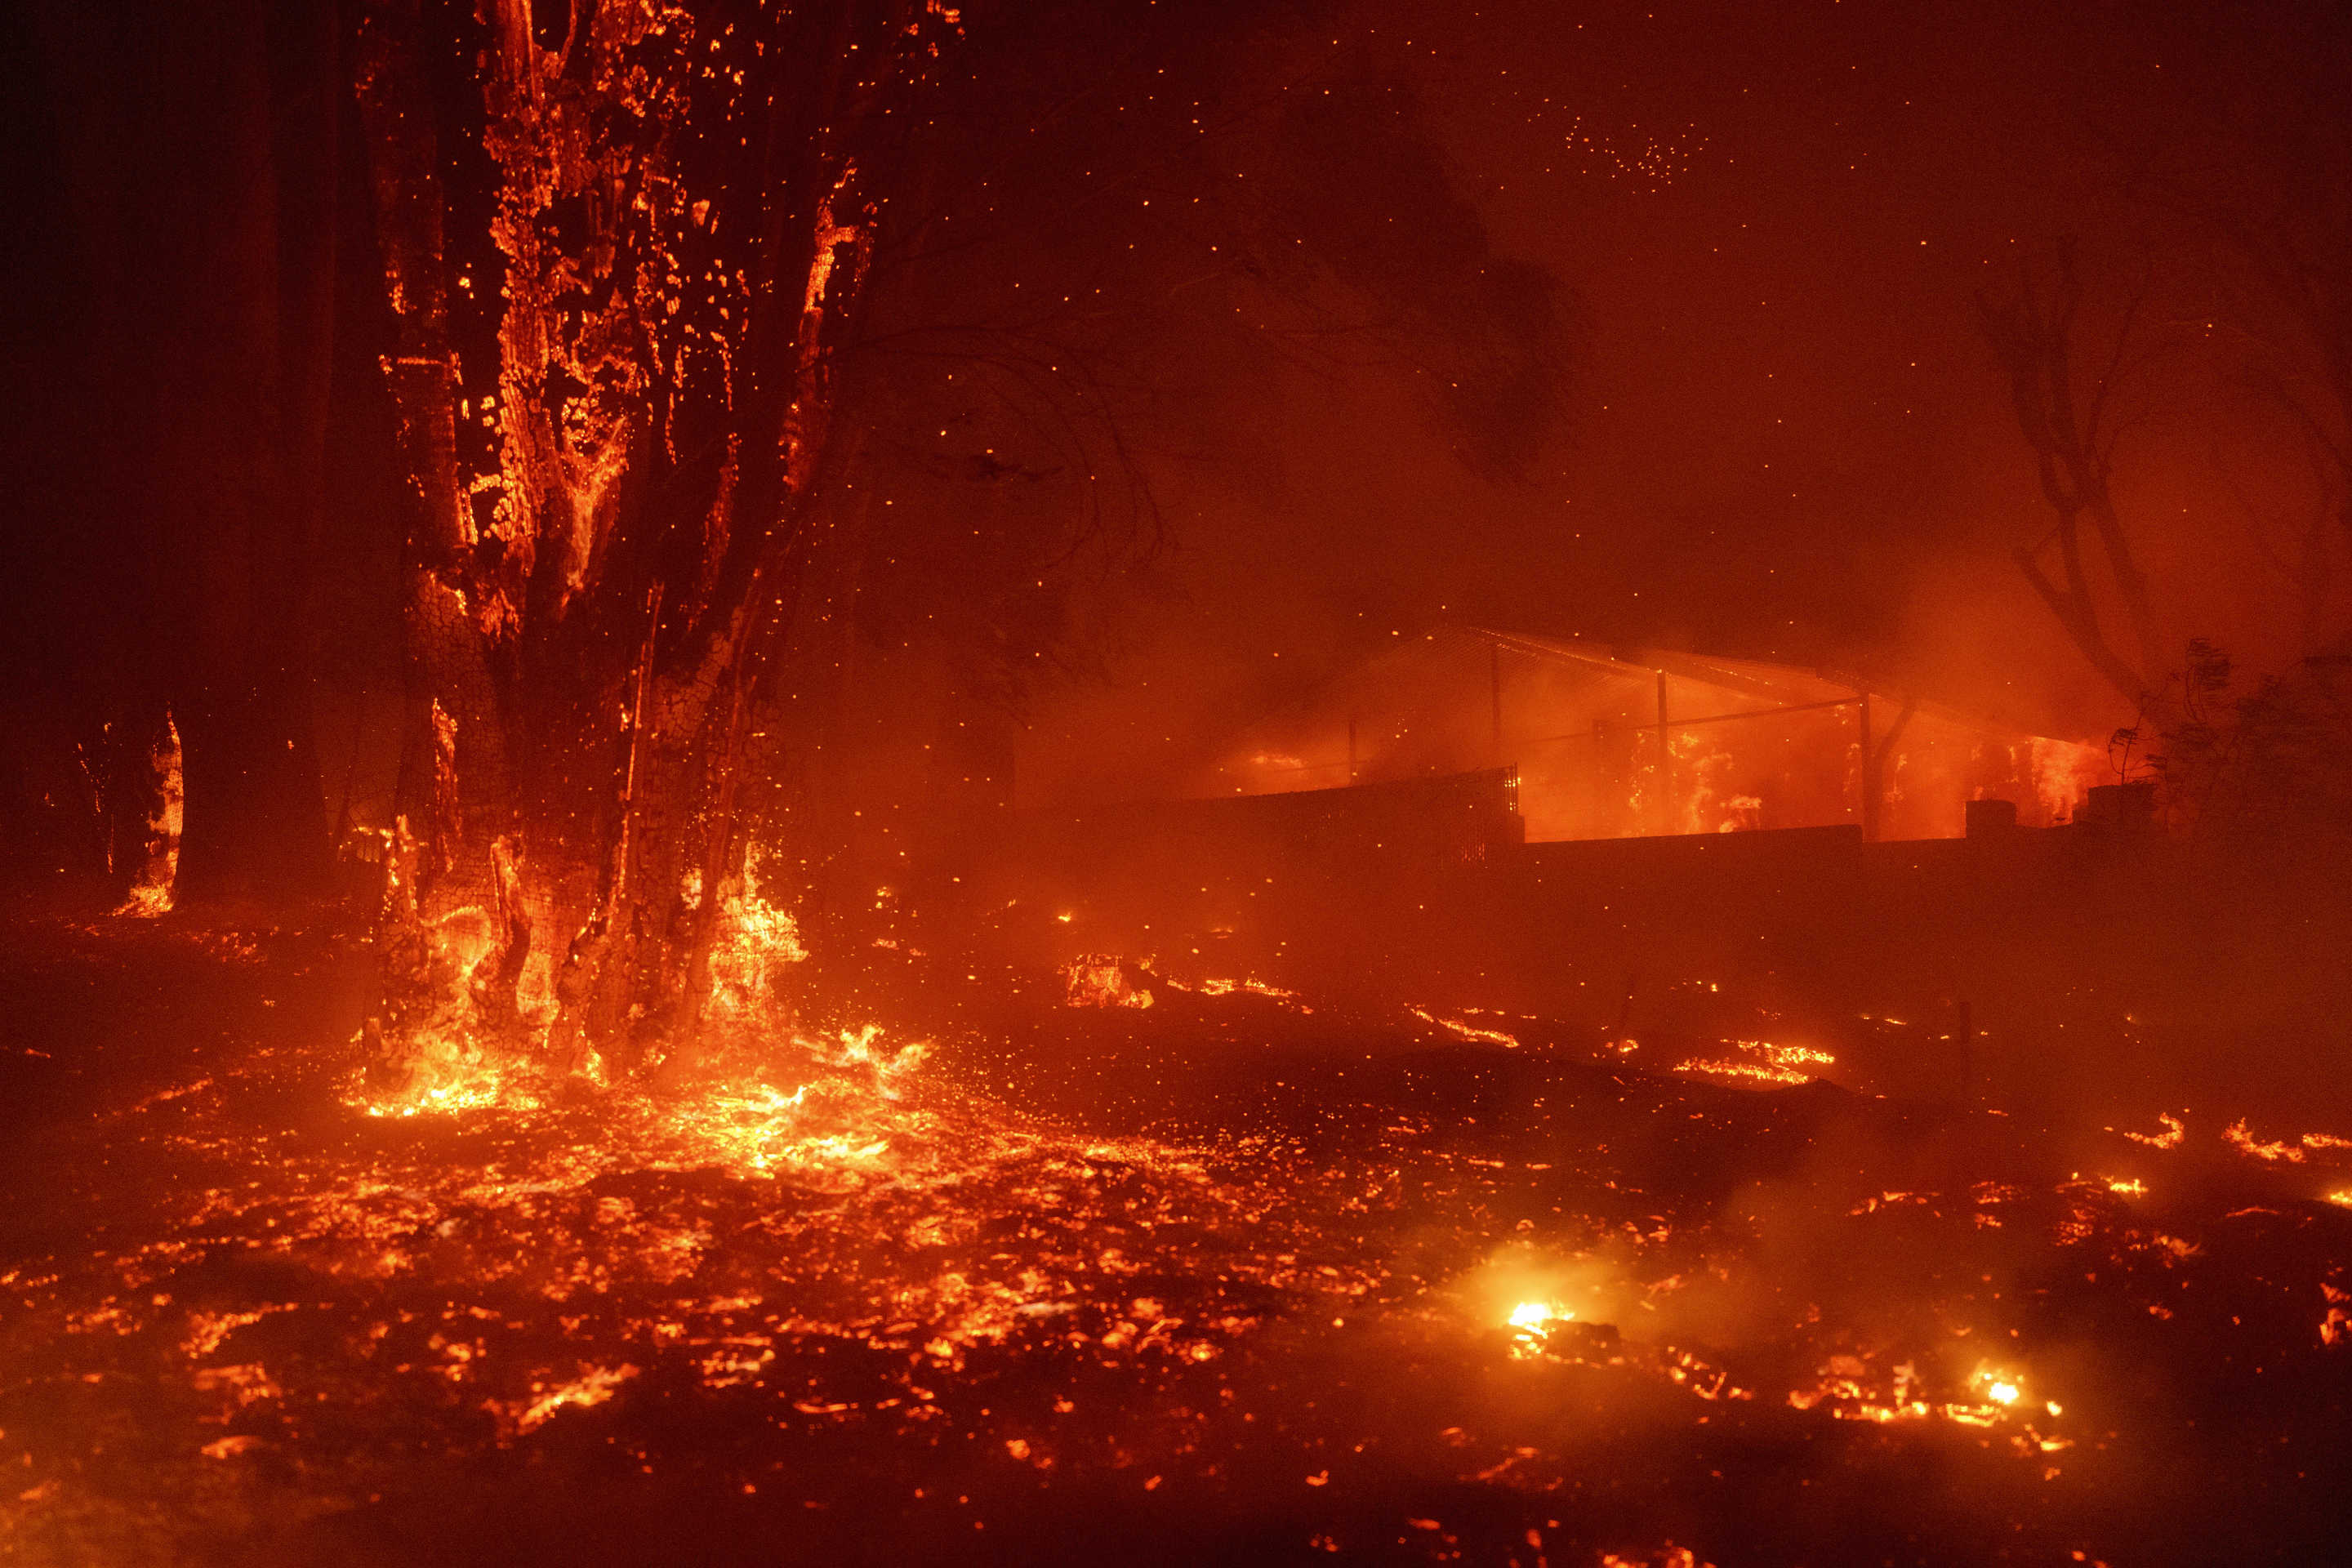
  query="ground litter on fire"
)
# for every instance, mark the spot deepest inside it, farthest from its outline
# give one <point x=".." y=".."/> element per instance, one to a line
<point x="1225" y="1278"/>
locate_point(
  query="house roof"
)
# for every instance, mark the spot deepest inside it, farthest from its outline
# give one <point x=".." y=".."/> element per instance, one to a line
<point x="1766" y="684"/>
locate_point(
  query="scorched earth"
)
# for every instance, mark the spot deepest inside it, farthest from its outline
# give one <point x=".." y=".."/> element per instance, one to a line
<point x="1227" y="1278"/>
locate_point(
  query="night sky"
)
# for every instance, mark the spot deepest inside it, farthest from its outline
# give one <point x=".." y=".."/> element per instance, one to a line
<point x="1785" y="437"/>
<point x="1788" y="438"/>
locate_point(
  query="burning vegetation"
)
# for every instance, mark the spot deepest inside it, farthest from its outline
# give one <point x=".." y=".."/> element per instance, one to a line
<point x="551" y="1019"/>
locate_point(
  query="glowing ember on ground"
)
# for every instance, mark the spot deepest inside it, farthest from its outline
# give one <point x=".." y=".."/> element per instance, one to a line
<point x="1758" y="1072"/>
<point x="2246" y="1144"/>
<point x="1462" y="1031"/>
<point x="592" y="1387"/>
<point x="2174" y="1131"/>
<point x="1760" y="1062"/>
<point x="850" y="1277"/>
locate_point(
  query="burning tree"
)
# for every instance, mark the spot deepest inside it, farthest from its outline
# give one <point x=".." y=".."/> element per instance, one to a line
<point x="621" y="252"/>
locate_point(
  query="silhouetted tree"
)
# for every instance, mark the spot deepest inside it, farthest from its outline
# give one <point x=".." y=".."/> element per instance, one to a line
<point x="2069" y="422"/>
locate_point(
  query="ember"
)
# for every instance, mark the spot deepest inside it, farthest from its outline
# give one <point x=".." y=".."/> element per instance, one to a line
<point x="1099" y="783"/>
<point x="868" y="1249"/>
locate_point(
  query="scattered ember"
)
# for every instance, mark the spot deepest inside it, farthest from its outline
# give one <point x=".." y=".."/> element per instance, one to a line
<point x="850" y="1291"/>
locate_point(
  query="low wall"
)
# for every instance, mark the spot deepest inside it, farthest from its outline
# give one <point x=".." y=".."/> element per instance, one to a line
<point x="2079" y="962"/>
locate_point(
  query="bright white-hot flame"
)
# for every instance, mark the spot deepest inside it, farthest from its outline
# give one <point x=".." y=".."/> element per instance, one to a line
<point x="1528" y="1316"/>
<point x="2001" y="1389"/>
<point x="755" y="944"/>
<point x="1532" y="1322"/>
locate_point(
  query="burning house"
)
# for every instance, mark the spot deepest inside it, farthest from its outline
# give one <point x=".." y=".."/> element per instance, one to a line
<point x="1612" y="743"/>
<point x="535" y="1028"/>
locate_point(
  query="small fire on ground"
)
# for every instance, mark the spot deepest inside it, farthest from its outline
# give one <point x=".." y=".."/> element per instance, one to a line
<point x="1432" y="1322"/>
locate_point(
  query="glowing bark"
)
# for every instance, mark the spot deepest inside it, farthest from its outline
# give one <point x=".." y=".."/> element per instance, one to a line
<point x="613" y="482"/>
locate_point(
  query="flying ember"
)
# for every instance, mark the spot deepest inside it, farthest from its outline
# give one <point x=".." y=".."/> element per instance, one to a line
<point x="794" y="781"/>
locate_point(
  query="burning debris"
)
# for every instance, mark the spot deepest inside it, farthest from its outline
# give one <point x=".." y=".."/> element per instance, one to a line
<point x="1623" y="741"/>
<point x="1100" y="980"/>
<point x="570" y="1002"/>
<point x="857" y="1276"/>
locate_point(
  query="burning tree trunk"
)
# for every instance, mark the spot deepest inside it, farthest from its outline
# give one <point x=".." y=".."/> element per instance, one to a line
<point x="613" y="481"/>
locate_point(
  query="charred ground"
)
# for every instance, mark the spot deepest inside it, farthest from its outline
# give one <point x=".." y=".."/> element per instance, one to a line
<point x="1000" y="1302"/>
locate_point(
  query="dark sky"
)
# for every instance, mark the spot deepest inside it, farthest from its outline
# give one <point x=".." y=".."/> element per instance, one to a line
<point x="1789" y="439"/>
<point x="1785" y="438"/>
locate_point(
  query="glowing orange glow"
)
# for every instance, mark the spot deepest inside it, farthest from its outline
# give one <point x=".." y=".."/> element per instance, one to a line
<point x="1610" y="742"/>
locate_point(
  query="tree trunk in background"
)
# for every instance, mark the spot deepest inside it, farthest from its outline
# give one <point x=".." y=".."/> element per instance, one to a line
<point x="198" y="158"/>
